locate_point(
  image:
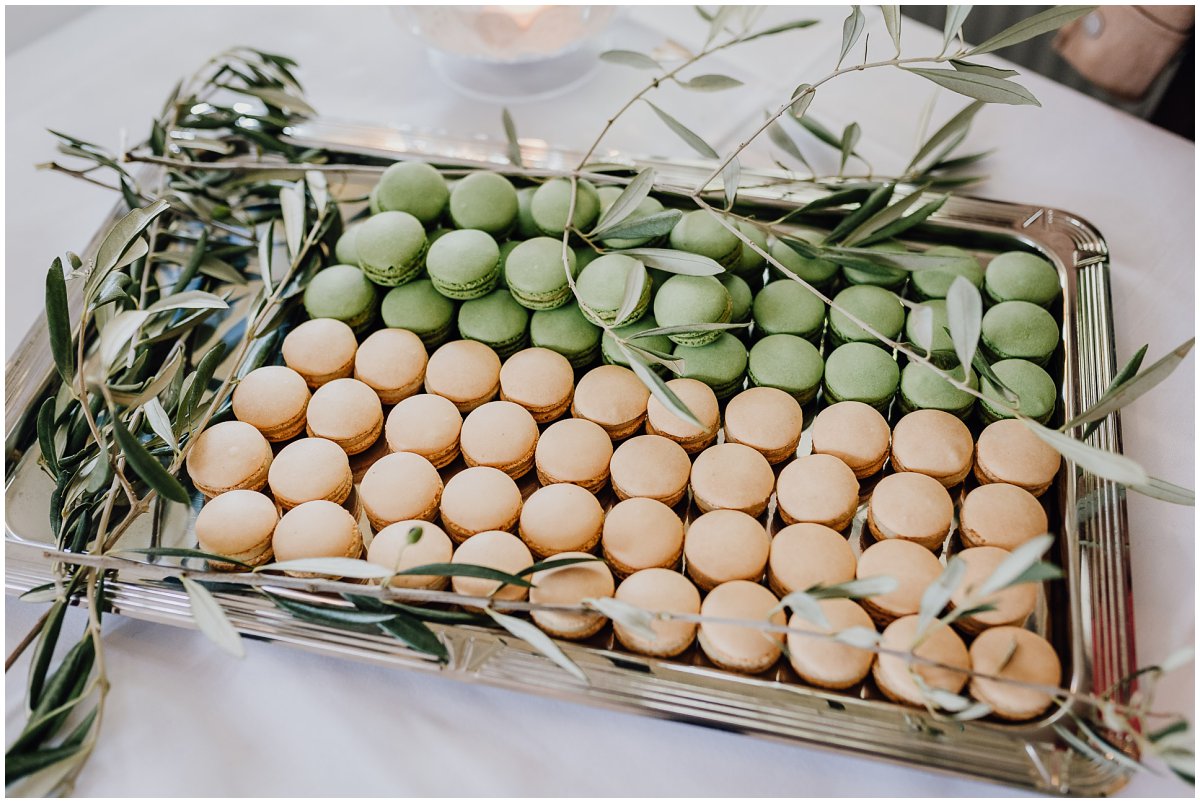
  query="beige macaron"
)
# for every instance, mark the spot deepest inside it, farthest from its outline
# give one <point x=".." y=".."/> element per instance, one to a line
<point x="574" y="450"/>
<point x="400" y="487"/>
<point x="1001" y="515"/>
<point x="738" y="647"/>
<point x="229" y="456"/>
<point x="427" y="425"/>
<point x="894" y="674"/>
<point x="393" y="549"/>
<point x="392" y="363"/>
<point x="730" y="476"/>
<point x="1012" y="606"/>
<point x="697" y="397"/>
<point x="570" y="585"/>
<point x="818" y="488"/>
<point x="767" y="420"/>
<point x="237" y="525"/>
<point x="913" y="568"/>
<point x="806" y="554"/>
<point x="274" y="400"/>
<point x="540" y="380"/>
<point x="500" y="434"/>
<point x="1008" y="451"/>
<point x="310" y="469"/>
<point x="318" y="529"/>
<point x="1017" y="655"/>
<point x="478" y="499"/>
<point x="855" y="433"/>
<point x="613" y="397"/>
<point x="651" y="466"/>
<point x="724" y="545"/>
<point x="494" y="549"/>
<point x="320" y="350"/>
<point x="934" y="443"/>
<point x="824" y="662"/>
<point x="641" y="533"/>
<point x="659" y="591"/>
<point x="466" y="372"/>
<point x="910" y="506"/>
<point x="561" y="518"/>
<point x="346" y="412"/>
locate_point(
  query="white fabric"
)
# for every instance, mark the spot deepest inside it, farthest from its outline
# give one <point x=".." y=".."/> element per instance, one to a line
<point x="184" y="719"/>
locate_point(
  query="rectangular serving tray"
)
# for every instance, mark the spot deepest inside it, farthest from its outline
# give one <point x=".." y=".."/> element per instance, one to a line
<point x="1088" y="616"/>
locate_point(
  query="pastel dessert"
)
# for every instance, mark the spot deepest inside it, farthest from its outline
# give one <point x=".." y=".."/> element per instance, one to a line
<point x="937" y="338"/>
<point x="687" y="300"/>
<point x="317" y="529"/>
<point x="551" y="205"/>
<point x="272" y="399"/>
<point x="855" y="433"/>
<point x="345" y="250"/>
<point x="320" y="350"/>
<point x="496" y="320"/>
<point x="1036" y="391"/>
<point x="393" y="549"/>
<point x="421" y="309"/>
<point x="659" y="591"/>
<point x="464" y="264"/>
<point x="786" y="307"/>
<point x="650" y="466"/>
<point x="741" y="296"/>
<point x="560" y="518"/>
<point x="466" y="372"/>
<point x="540" y="380"/>
<point x="806" y="555"/>
<point x="308" y="470"/>
<point x="413" y="187"/>
<point x="612" y="397"/>
<point x="484" y="201"/>
<point x="1001" y="515"/>
<point x="911" y="507"/>
<point x="736" y="647"/>
<point x="229" y="456"/>
<point x="477" y="499"/>
<point x="346" y="412"/>
<point x="494" y="549"/>
<point x="823" y="662"/>
<point x="391" y="362"/>
<point x="699" y="232"/>
<point x="921" y="388"/>
<point x="820" y="273"/>
<point x="818" y="488"/>
<point x="237" y="525"/>
<point x="912" y="566"/>
<point x="612" y="353"/>
<point x="701" y="401"/>
<point x="499" y="434"/>
<point x="427" y="425"/>
<point x="933" y="443"/>
<point x="535" y="275"/>
<point x="1012" y="606"/>
<point x="600" y="289"/>
<point x="401" y="486"/>
<point x="570" y="585"/>
<point x="767" y="420"/>
<point x="343" y="293"/>
<point x="647" y="207"/>
<point x="931" y="283"/>
<point x="1021" y="276"/>
<point x="567" y="331"/>
<point x="391" y="248"/>
<point x="576" y="451"/>
<point x="876" y="306"/>
<point x="1020" y="330"/>
<point x="750" y="266"/>
<point x="526" y="226"/>
<point x="721" y="364"/>
<point x="894" y="674"/>
<point x="861" y="372"/>
<point x="639" y="534"/>
<point x="879" y="275"/>
<point x="724" y="545"/>
<point x="1017" y="655"/>
<point x="731" y="476"/>
<point x="1010" y="452"/>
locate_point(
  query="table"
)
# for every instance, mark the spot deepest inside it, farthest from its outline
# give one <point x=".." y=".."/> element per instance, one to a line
<point x="184" y="719"/>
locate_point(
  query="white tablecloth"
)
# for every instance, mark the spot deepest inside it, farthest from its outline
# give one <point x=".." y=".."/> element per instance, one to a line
<point x="184" y="719"/>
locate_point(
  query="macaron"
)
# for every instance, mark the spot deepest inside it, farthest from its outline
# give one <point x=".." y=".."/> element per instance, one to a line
<point x="805" y="555"/>
<point x="310" y="469"/>
<point x="767" y="420"/>
<point x="427" y="425"/>
<point x="464" y="264"/>
<point x="931" y="283"/>
<point x="911" y="507"/>
<point x="484" y="201"/>
<point x="855" y="433"/>
<point x="879" y="275"/>
<point x="786" y="307"/>
<point x="612" y="353"/>
<point x="600" y="289"/>
<point x="659" y="591"/>
<point x="650" y="466"/>
<point x="646" y="207"/>
<point x="818" y="488"/>
<point x="912" y="566"/>
<point x="740" y="295"/>
<point x="861" y="372"/>
<point x="320" y="350"/>
<point x="526" y="227"/>
<point x="567" y="331"/>
<point x="570" y="585"/>
<point x="699" y="232"/>
<point x="477" y="499"/>
<point x="494" y="549"/>
<point x="238" y="525"/>
<point x="641" y="533"/>
<point x="540" y="380"/>
<point x="346" y="250"/>
<point x="392" y="363"/>
<point x="1001" y="515"/>
<point x="687" y="300"/>
<point x="1021" y="276"/>
<point x="346" y="412"/>
<point x="391" y="248"/>
<point x="1021" y="330"/>
<point x="701" y="401"/>
<point x="724" y="545"/>
<point x="1011" y="606"/>
<point x="561" y="518"/>
<point x="229" y="456"/>
<point x="820" y="273"/>
<point x="731" y="476"/>
<point x="737" y="647"/>
<point x="413" y="187"/>
<point x="786" y="363"/>
<point x="1018" y="659"/>
<point x="750" y="265"/>
<point x="391" y="548"/>
<point x="421" y="309"/>
<point x="934" y="443"/>
<point x="272" y="399"/>
<point x="612" y="397"/>
<point x="343" y="293"/>
<point x="499" y="434"/>
<point x="937" y="339"/>
<point x="317" y="529"/>
<point x="720" y="364"/>
<point x="1036" y="391"/>
<point x="551" y="204"/>
<point x="496" y="320"/>
<point x="894" y="674"/>
<point x="576" y="451"/>
<point x="922" y="388"/>
<point x="584" y="255"/>
<point x="872" y="305"/>
<point x="535" y="275"/>
<point x="823" y="662"/>
<point x="373" y="201"/>
<point x="466" y="372"/>
<point x="1008" y="451"/>
<point x="400" y="486"/>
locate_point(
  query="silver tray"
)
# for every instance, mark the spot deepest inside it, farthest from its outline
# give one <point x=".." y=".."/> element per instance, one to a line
<point x="1091" y="625"/>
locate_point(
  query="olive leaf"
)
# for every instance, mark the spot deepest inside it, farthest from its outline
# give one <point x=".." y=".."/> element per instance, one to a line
<point x="466" y="570"/>
<point x="138" y="249"/>
<point x="1125" y="389"/>
<point x="510" y="136"/>
<point x="776" y="29"/>
<point x="1038" y="24"/>
<point x="854" y="195"/>
<point x="961" y="161"/>
<point x="986" y="374"/>
<point x="195" y="391"/>
<point x="731" y="176"/>
<point x="850" y="137"/>
<point x="266" y="256"/>
<point x="146" y="465"/>
<point x="920" y="325"/>
<point x="189" y="299"/>
<point x="157" y="385"/>
<point x="690" y="137"/>
<point x="805" y="606"/>
<point x="538" y="640"/>
<point x="326" y="615"/>
<point x="862" y="637"/>
<point x="819" y="131"/>
<point x="630" y="616"/>
<point x="982" y="69"/>
<point x="114" y="288"/>
<point x="711" y="83"/>
<point x="280" y="99"/>
<point x="626" y="203"/>
<point x="291" y="203"/>
<point x="674" y="261"/>
<point x="803" y="95"/>
<point x="117" y="241"/>
<point x="183" y="552"/>
<point x="1020" y="560"/>
<point x="981" y="87"/>
<point x="891" y="19"/>
<point x="630" y="58"/>
<point x="852" y="28"/>
<point x="47" y="592"/>
<point x="876" y="200"/>
<point x="318" y="188"/>
<point x="937" y="594"/>
<point x="635" y="284"/>
<point x="58" y="322"/>
<point x="553" y="563"/>
<point x="655" y="225"/>
<point x="211" y="619"/>
<point x="964" y="312"/>
<point x="44" y="651"/>
<point x="958" y="124"/>
<point x="687" y="328"/>
<point x="1108" y="465"/>
<point x="1166" y="491"/>
<point x="856" y="589"/>
<point x="955" y="17"/>
<point x="778" y="135"/>
<point x="658" y="388"/>
<point x="718" y="23"/>
<point x="415" y="634"/>
<point x="898" y="227"/>
<point x="334" y="567"/>
<point x="160" y="422"/>
<point x="884" y="217"/>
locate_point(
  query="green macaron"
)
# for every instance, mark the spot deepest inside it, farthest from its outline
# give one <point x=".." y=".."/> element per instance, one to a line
<point x="750" y="265"/>
<point x="535" y="274"/>
<point x="741" y="295"/>
<point x="497" y="320"/>
<point x="789" y="363"/>
<point x="601" y="288"/>
<point x="506" y="248"/>
<point x="485" y="201"/>
<point x="861" y="372"/>
<point x="464" y="264"/>
<point x="1021" y="276"/>
<point x="613" y="355"/>
<point x="346" y="248"/>
<point x="391" y="248"/>
<point x="940" y="340"/>
<point x="872" y="305"/>
<point x="879" y="275"/>
<point x="413" y="187"/>
<point x="1035" y="389"/>
<point x="720" y="364"/>
<point x="551" y="204"/>
<point x="820" y="273"/>
<point x="649" y="206"/>
<point x="566" y="331"/>
<point x="929" y="283"/>
<point x="373" y="201"/>
<point x="686" y="300"/>
<point x="786" y="307"/>
<point x="922" y="388"/>
<point x="421" y="309"/>
<point x="699" y="232"/>
<point x="526" y="227"/>
<point x="584" y="256"/>
<point x="1019" y="329"/>
<point x="344" y="293"/>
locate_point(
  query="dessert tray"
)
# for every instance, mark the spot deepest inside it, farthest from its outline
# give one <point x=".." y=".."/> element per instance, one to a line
<point x="1087" y="615"/>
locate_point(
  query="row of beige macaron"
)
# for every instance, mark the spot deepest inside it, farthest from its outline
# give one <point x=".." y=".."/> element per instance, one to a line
<point x="726" y="549"/>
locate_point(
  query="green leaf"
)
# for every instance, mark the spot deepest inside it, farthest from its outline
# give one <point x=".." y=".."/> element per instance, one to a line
<point x="291" y="204"/>
<point x="658" y="388"/>
<point x="856" y="589"/>
<point x="982" y="69"/>
<point x="957" y="124"/>
<point x="160" y="422"/>
<point x="116" y="335"/>
<point x="627" y="202"/>
<point x="467" y="570"/>
<point x="955" y="17"/>
<point x="211" y="619"/>
<point x="335" y="617"/>
<point x="710" y="83"/>
<point x="189" y="299"/>
<point x="195" y="392"/>
<point x="986" y="374"/>
<point x="964" y="312"/>
<point x="806" y="606"/>
<point x="850" y="137"/>
<point x="674" y="261"/>
<point x="416" y="634"/>
<point x="279" y="99"/>
<point x="840" y="198"/>
<point x="779" y="135"/>
<point x="655" y="225"/>
<point x="136" y="251"/>
<point x="44" y="651"/>
<point x="538" y="640"/>
<point x="637" y="620"/>
<point x="884" y="217"/>
<point x="318" y="188"/>
<point x="920" y="324"/>
<point x="1166" y="491"/>
<point x="719" y="22"/>
<point x="553" y="563"/>
<point x="803" y="95"/>
<point x="58" y="322"/>
<point x="961" y="161"/>
<point x="820" y="131"/>
<point x="891" y="19"/>
<point x="19" y="765"/>
<point x="937" y="594"/>
<point x="46" y="592"/>
<point x="1038" y="24"/>
<point x="787" y="26"/>
<point x="862" y="637"/>
<point x="45" y="435"/>
<point x="852" y="28"/>
<point x="334" y="567"/>
<point x="1020" y="560"/>
<point x="692" y="139"/>
<point x="630" y="58"/>
<point x="1039" y="572"/>
<point x="193" y="263"/>
<point x="1180" y="657"/>
<point x="117" y="241"/>
<point x="183" y="552"/>
<point x="898" y="227"/>
<point x="877" y="200"/>
<point x="1108" y="465"/>
<point x="266" y="256"/>
<point x="1125" y="388"/>
<point x="731" y="176"/>
<point x="156" y="385"/>
<point x="980" y="87"/>
<point x="510" y="136"/>
<point x="687" y="328"/>
<point x="635" y="283"/>
<point x="112" y="289"/>
<point x="146" y="465"/>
